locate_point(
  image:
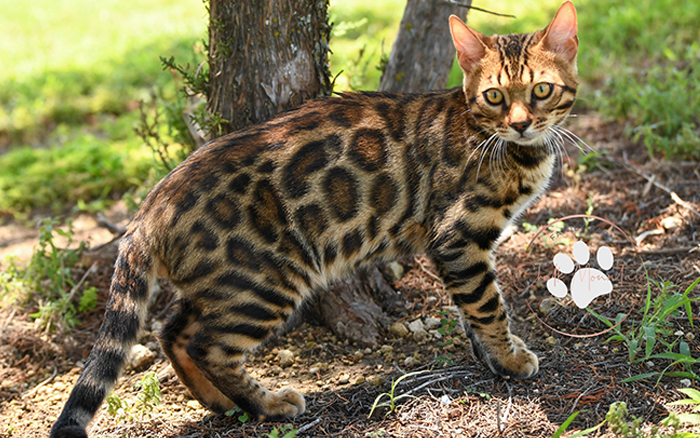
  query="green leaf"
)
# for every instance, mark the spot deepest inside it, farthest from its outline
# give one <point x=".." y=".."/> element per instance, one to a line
<point x="565" y="425"/>
<point x="649" y="339"/>
<point x="639" y="377"/>
<point x="689" y="418"/>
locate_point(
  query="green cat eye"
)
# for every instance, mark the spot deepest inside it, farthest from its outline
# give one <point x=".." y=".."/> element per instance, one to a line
<point x="493" y="96"/>
<point x="542" y="90"/>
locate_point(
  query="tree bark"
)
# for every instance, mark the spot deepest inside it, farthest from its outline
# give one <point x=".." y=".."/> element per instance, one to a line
<point x="423" y="52"/>
<point x="265" y="57"/>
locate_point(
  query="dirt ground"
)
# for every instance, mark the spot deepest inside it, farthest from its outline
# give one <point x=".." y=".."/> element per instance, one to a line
<point x="579" y="371"/>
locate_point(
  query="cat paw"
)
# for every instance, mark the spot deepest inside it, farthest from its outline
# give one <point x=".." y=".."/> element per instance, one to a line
<point x="285" y="403"/>
<point x="519" y="362"/>
<point x="586" y="283"/>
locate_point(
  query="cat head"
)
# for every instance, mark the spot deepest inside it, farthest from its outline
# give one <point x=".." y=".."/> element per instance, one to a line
<point x="519" y="86"/>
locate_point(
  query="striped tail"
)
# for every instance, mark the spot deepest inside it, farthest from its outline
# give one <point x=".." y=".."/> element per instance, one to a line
<point x="126" y="312"/>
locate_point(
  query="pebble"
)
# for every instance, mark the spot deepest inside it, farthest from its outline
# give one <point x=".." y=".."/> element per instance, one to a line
<point x="358" y="355"/>
<point x="314" y="370"/>
<point x="431" y="300"/>
<point x="286" y="358"/>
<point x="367" y="351"/>
<point x="685" y="383"/>
<point x="671" y="222"/>
<point x="59" y="386"/>
<point x="398" y="329"/>
<point x="141" y="357"/>
<point x="416" y="325"/>
<point x="432" y="323"/>
<point x="193" y="404"/>
<point x="376" y="380"/>
<point x="420" y="336"/>
<point x="409" y="361"/>
<point x="395" y="269"/>
<point x="344" y="379"/>
<point x="445" y="399"/>
<point x="650" y="364"/>
<point x="551" y="340"/>
<point x="360" y="380"/>
<point x="386" y="349"/>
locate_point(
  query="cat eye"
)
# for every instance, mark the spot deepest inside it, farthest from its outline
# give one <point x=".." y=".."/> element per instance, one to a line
<point x="493" y="96"/>
<point x="542" y="90"/>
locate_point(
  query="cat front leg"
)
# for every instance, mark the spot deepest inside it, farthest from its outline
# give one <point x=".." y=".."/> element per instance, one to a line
<point x="469" y="276"/>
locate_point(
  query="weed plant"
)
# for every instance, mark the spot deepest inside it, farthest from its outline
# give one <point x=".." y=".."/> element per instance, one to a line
<point x="658" y="327"/>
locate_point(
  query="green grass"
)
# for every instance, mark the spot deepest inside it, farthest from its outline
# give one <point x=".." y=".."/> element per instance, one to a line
<point x="73" y="74"/>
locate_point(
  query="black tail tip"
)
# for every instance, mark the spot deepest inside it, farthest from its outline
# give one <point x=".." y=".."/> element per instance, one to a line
<point x="59" y="431"/>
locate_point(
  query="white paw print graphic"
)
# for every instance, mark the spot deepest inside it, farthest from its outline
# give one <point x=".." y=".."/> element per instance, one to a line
<point x="587" y="283"/>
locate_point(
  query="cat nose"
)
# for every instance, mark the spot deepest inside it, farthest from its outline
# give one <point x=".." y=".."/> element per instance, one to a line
<point x="521" y="126"/>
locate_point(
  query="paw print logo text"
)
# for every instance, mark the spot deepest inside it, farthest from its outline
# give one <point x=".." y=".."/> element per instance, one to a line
<point x="587" y="283"/>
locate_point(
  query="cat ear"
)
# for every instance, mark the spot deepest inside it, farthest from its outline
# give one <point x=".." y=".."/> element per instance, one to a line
<point x="469" y="44"/>
<point x="560" y="36"/>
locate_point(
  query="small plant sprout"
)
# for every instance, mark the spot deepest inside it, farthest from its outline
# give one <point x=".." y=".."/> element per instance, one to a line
<point x="393" y="398"/>
<point x="656" y="329"/>
<point x="244" y="417"/>
<point x="449" y="323"/>
<point x="286" y="431"/>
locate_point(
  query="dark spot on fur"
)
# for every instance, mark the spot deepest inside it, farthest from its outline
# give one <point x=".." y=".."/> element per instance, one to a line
<point x="342" y="193"/>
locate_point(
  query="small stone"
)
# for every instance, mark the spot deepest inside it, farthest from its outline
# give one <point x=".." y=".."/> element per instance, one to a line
<point x="376" y="380"/>
<point x="416" y="326"/>
<point x="421" y="336"/>
<point x="319" y="383"/>
<point x="314" y="370"/>
<point x="445" y="399"/>
<point x="431" y="300"/>
<point x="141" y="357"/>
<point x="679" y="333"/>
<point x="551" y="341"/>
<point x="286" y="358"/>
<point x="671" y="222"/>
<point x="59" y="386"/>
<point x="193" y="404"/>
<point x="386" y="349"/>
<point x="436" y="334"/>
<point x="398" y="329"/>
<point x="360" y="380"/>
<point x="395" y="269"/>
<point x="685" y="383"/>
<point x="367" y="351"/>
<point x="650" y="364"/>
<point x="689" y="336"/>
<point x="358" y="355"/>
<point x="344" y="379"/>
<point x="409" y="361"/>
<point x="166" y="374"/>
<point x="432" y="323"/>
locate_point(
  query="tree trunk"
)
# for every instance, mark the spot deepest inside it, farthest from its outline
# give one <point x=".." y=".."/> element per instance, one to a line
<point x="265" y="57"/>
<point x="423" y="52"/>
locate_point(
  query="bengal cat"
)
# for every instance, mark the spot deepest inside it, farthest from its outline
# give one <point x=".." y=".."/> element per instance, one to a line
<point x="255" y="222"/>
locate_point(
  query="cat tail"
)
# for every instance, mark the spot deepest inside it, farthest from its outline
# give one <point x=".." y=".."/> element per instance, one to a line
<point x="133" y="279"/>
